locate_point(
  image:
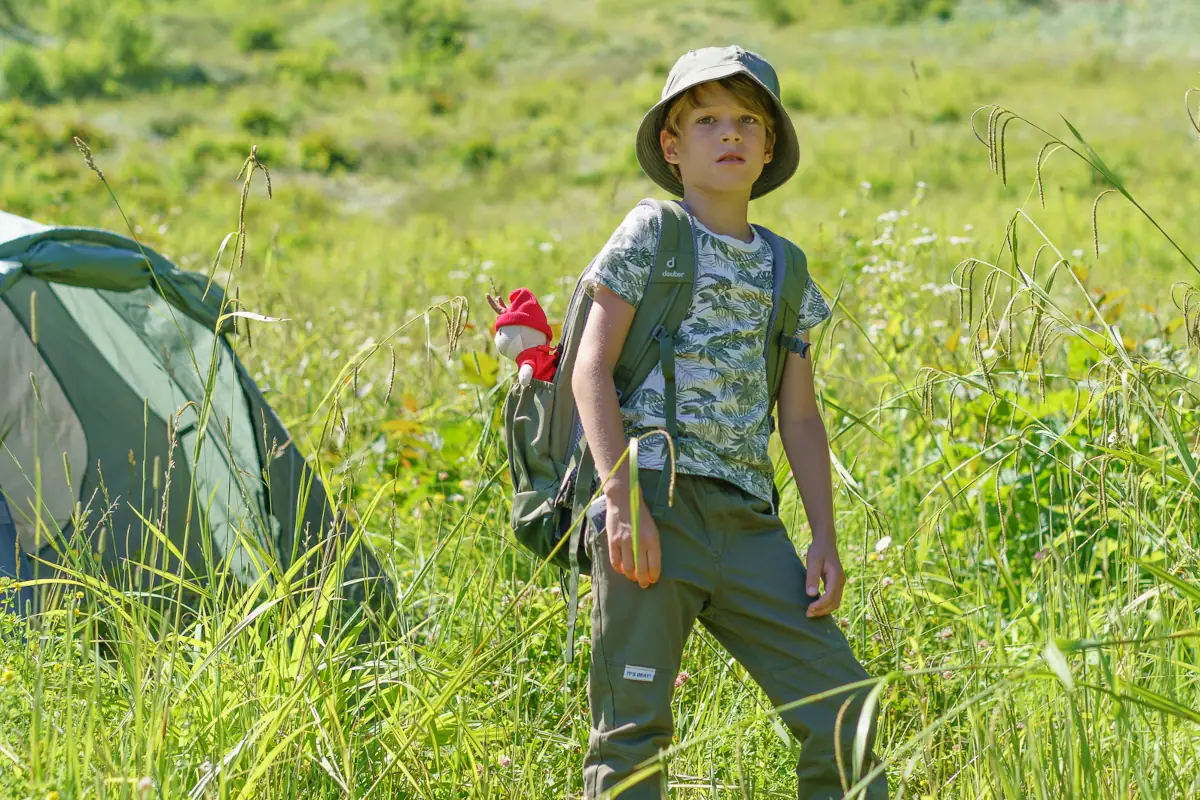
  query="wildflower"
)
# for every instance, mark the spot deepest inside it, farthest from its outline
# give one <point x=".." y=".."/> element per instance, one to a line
<point x="145" y="785"/>
<point x="479" y="769"/>
<point x="682" y="678"/>
<point x="887" y="581"/>
<point x="1040" y="555"/>
<point x="945" y="633"/>
<point x="883" y="544"/>
<point x="546" y="247"/>
<point x="505" y="761"/>
<point x="51" y="795"/>
<point x="947" y="675"/>
<point x="984" y="644"/>
<point x="8" y="676"/>
<point x="865" y="186"/>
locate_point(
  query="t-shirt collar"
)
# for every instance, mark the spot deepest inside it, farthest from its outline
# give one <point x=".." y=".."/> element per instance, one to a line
<point x="732" y="241"/>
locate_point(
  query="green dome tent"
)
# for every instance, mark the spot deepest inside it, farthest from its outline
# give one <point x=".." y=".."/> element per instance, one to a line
<point x="106" y="352"/>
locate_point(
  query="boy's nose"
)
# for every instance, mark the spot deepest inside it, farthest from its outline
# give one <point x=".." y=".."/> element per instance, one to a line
<point x="731" y="134"/>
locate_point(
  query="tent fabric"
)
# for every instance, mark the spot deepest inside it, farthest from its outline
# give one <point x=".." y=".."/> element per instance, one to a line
<point x="135" y="345"/>
<point x="38" y="426"/>
<point x="97" y="259"/>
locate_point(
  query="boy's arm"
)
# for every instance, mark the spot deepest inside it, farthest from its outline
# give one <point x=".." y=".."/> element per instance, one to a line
<point x="807" y="447"/>
<point x="600" y="413"/>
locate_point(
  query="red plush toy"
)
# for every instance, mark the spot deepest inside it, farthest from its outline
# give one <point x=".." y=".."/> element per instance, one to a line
<point x="523" y="333"/>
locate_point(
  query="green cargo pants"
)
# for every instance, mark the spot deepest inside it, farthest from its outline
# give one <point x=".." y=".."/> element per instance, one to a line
<point x="727" y="560"/>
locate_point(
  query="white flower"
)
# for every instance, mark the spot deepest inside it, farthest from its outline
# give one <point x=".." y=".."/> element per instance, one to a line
<point x="842" y="213"/>
<point x="920" y="241"/>
<point x="883" y="544"/>
<point x="1077" y="252"/>
<point x="487" y="264"/>
<point x="546" y="247"/>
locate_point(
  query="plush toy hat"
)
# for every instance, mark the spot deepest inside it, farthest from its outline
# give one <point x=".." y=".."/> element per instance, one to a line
<point x="523" y="309"/>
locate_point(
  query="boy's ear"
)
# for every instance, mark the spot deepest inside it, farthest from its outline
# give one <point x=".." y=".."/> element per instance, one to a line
<point x="670" y="146"/>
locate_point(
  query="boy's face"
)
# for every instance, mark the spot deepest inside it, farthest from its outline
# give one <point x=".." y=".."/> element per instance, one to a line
<point x="722" y="145"/>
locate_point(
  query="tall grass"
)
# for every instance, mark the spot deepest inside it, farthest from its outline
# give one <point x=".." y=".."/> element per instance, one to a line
<point x="1017" y="497"/>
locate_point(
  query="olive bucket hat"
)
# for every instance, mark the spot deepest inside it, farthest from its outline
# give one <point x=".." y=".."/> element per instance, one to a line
<point x="713" y="64"/>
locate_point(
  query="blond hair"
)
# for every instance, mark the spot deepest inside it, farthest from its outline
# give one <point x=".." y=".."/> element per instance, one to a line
<point x="747" y="91"/>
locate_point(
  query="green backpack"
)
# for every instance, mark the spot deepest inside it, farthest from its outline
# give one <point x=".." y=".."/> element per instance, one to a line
<point x="554" y="477"/>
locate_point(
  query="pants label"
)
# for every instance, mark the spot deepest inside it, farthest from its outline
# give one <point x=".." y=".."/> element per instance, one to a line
<point x="643" y="674"/>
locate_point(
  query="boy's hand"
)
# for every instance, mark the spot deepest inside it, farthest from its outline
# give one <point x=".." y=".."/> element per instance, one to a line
<point x="823" y="565"/>
<point x="619" y="529"/>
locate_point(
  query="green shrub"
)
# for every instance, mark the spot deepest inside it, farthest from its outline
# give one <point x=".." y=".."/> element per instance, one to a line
<point x="259" y="35"/>
<point x="22" y="76"/>
<point x="321" y="152"/>
<point x="262" y="121"/>
<point x="478" y="151"/>
<point x="122" y="53"/>
<point x="436" y="29"/>
<point x="171" y="125"/>
<point x="778" y="12"/>
<point x="315" y="67"/>
<point x="22" y="132"/>
<point x="84" y="70"/>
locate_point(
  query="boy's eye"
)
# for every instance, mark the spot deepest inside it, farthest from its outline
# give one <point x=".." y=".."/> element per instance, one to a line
<point x="706" y="119"/>
<point x="750" y="119"/>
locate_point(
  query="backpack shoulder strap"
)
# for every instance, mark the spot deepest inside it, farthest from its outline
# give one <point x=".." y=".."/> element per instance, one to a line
<point x="665" y="302"/>
<point x="790" y="267"/>
<point x="655" y="327"/>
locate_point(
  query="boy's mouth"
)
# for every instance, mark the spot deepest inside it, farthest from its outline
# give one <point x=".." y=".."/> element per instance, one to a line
<point x="731" y="158"/>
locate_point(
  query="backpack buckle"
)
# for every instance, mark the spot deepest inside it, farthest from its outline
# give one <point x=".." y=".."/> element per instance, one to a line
<point x="658" y="333"/>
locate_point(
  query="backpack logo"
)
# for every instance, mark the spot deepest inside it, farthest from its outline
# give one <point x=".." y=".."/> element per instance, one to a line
<point x="670" y="271"/>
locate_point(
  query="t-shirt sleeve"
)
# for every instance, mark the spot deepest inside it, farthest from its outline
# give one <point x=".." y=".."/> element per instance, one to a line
<point x="813" y="309"/>
<point x="624" y="264"/>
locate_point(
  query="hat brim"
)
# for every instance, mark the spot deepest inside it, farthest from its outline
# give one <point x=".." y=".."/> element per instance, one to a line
<point x="784" y="161"/>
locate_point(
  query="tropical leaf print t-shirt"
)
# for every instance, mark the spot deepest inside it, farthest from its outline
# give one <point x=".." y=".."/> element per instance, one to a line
<point x="720" y="369"/>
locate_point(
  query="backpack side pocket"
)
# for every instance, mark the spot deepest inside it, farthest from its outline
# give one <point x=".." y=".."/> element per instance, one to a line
<point x="536" y="517"/>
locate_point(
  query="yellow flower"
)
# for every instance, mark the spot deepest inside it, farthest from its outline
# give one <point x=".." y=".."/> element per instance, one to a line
<point x="7" y="676"/>
<point x="52" y="795"/>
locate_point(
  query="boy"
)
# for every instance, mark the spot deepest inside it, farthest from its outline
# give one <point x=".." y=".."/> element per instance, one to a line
<point x="719" y="138"/>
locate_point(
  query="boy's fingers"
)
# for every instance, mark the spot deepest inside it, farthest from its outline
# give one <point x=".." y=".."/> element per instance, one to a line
<point x="614" y="556"/>
<point x="814" y="579"/>
<point x="820" y="607"/>
<point x="627" y="562"/>
<point x="654" y="562"/>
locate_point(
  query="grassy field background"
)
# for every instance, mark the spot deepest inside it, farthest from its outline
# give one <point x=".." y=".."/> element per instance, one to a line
<point x="1009" y="380"/>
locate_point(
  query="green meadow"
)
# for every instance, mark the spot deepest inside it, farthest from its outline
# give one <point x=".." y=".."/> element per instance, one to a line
<point x="998" y="197"/>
